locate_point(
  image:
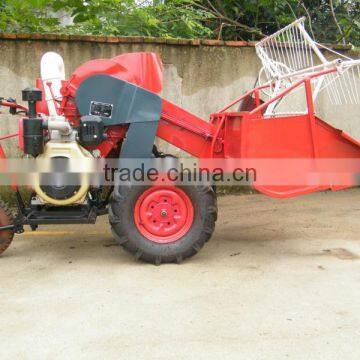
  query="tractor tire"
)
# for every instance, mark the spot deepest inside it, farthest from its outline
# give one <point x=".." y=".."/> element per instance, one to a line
<point x="6" y="218"/>
<point x="163" y="224"/>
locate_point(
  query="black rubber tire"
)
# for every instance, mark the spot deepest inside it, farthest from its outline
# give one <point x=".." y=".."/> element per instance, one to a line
<point x="6" y="218"/>
<point x="121" y="218"/>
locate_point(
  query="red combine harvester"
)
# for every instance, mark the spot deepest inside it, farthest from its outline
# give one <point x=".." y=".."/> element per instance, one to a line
<point x="111" y="109"/>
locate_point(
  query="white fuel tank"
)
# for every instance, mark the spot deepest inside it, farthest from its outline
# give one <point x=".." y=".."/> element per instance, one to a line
<point x="52" y="73"/>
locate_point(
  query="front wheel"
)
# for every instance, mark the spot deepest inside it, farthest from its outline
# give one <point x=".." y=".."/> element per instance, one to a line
<point x="6" y="218"/>
<point x="163" y="224"/>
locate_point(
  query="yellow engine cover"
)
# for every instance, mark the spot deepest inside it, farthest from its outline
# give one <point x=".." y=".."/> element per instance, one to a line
<point x="70" y="150"/>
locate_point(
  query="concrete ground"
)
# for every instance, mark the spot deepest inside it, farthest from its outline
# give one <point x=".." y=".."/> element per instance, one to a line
<point x="280" y="279"/>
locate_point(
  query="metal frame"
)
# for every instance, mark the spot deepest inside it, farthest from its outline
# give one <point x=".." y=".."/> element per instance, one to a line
<point x="201" y="139"/>
<point x="77" y="214"/>
<point x="219" y="138"/>
<point x="290" y="54"/>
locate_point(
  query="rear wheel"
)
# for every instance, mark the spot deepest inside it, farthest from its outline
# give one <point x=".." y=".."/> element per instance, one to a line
<point x="163" y="224"/>
<point x="6" y="218"/>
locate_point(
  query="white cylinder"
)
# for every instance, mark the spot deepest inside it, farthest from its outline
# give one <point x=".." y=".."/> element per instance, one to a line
<point x="52" y="73"/>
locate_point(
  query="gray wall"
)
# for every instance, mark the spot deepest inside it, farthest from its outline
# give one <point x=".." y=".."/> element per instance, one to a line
<point x="200" y="78"/>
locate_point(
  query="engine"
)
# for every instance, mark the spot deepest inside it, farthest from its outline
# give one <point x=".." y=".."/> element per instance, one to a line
<point x="88" y="116"/>
<point x="57" y="144"/>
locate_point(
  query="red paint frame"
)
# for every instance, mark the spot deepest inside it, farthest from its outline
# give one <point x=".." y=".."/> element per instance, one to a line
<point x="228" y="134"/>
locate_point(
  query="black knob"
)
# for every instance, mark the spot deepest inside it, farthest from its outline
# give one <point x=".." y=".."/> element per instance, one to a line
<point x="31" y="94"/>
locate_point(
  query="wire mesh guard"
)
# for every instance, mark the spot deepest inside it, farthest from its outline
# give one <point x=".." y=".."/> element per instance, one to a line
<point x="291" y="54"/>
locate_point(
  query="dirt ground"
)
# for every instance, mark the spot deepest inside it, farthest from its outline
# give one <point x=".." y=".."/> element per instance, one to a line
<point x="280" y="279"/>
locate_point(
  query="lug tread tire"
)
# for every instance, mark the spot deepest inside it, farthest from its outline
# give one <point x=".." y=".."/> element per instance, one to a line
<point x="123" y="227"/>
<point x="5" y="243"/>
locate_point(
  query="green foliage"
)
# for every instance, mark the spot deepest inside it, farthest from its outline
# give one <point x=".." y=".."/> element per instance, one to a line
<point x="332" y="20"/>
<point x="26" y="16"/>
<point x="337" y="23"/>
<point x="125" y="17"/>
<point x="175" y="18"/>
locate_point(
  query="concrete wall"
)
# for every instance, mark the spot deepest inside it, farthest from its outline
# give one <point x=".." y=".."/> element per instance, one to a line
<point x="201" y="77"/>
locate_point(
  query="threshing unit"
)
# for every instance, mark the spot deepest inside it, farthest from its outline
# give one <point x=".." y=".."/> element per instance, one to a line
<point x="111" y="108"/>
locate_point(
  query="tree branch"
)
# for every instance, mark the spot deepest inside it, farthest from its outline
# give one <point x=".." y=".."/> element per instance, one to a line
<point x="308" y="16"/>
<point x="291" y="9"/>
<point x="336" y="22"/>
<point x="222" y="17"/>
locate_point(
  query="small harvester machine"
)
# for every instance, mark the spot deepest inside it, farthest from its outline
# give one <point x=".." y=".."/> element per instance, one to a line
<point x="111" y="109"/>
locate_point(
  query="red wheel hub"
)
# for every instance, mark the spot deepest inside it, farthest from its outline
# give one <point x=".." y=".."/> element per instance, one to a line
<point x="163" y="214"/>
